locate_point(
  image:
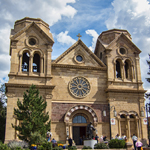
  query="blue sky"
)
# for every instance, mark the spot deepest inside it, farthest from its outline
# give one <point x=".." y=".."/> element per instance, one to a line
<point x="67" y="18"/>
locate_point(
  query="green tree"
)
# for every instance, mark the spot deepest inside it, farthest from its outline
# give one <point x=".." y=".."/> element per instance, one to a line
<point x="2" y="112"/>
<point x="31" y="114"/>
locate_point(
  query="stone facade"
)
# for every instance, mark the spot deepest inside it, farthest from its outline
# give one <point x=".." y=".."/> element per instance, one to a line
<point x="79" y="86"/>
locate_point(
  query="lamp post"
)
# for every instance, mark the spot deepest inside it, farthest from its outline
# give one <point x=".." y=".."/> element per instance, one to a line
<point x="148" y="110"/>
<point x="115" y="114"/>
<point x="142" y="115"/>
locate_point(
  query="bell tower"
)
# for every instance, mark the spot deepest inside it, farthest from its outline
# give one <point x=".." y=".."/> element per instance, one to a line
<point x="30" y="50"/>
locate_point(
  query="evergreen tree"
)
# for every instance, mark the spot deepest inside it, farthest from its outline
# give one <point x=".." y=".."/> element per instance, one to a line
<point x="31" y="114"/>
<point x="147" y="95"/>
<point x="2" y="112"/>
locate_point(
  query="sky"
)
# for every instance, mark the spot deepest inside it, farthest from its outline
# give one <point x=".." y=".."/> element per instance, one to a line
<point x="67" y="18"/>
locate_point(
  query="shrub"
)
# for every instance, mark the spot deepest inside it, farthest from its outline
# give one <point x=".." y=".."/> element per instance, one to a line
<point x="16" y="144"/>
<point x="72" y="147"/>
<point x="100" y="146"/>
<point x="87" y="147"/>
<point x="4" y="146"/>
<point x="115" y="143"/>
<point x="45" y="146"/>
<point x="36" y="138"/>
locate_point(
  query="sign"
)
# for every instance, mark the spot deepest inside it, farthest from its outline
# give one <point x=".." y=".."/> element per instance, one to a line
<point x="112" y="121"/>
<point x="145" y="120"/>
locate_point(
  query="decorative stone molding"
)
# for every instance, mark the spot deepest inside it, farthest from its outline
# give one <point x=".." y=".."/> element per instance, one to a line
<point x="48" y="96"/>
<point x="77" y="67"/>
<point x="81" y="107"/>
<point x="10" y="95"/>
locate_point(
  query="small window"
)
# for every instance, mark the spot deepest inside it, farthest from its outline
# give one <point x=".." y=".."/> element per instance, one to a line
<point x="79" y="58"/>
<point x="131" y="116"/>
<point x="79" y="119"/>
<point x="25" y="62"/>
<point x="32" y="41"/>
<point x="101" y="56"/>
<point x="122" y="116"/>
<point x="122" y="51"/>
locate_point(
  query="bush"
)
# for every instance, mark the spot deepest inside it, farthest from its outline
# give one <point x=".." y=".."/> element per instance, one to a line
<point x="45" y="146"/>
<point x="100" y="146"/>
<point x="14" y="145"/>
<point x="115" y="143"/>
<point x="36" y="138"/>
<point x="87" y="147"/>
<point x="4" y="146"/>
<point x="72" y="147"/>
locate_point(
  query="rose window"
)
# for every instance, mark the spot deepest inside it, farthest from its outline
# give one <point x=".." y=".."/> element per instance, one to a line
<point x="79" y="87"/>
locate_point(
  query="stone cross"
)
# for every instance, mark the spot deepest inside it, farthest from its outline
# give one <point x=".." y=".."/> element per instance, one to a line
<point x="79" y="36"/>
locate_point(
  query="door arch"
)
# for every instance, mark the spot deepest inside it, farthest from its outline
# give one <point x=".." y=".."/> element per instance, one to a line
<point x="73" y="125"/>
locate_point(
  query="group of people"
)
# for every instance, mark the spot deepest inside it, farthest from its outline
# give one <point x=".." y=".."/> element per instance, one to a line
<point x="136" y="143"/>
<point x="49" y="136"/>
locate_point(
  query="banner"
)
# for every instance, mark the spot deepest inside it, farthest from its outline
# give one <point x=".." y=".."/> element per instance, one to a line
<point x="112" y="121"/>
<point x="145" y="120"/>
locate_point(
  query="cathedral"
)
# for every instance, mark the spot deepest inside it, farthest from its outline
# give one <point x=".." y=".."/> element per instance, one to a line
<point x="80" y="86"/>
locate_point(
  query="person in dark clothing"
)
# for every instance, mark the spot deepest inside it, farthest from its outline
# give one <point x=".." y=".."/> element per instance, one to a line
<point x="81" y="140"/>
<point x="70" y="142"/>
<point x="97" y="138"/>
<point x="104" y="138"/>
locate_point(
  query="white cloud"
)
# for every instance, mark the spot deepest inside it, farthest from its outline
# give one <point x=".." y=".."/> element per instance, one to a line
<point x="50" y="11"/>
<point x="64" y="38"/>
<point x="94" y="35"/>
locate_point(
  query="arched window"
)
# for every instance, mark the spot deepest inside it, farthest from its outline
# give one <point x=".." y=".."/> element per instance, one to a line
<point x="122" y="116"/>
<point x="132" y="116"/>
<point x="79" y="119"/>
<point x="127" y="69"/>
<point x="25" y="62"/>
<point x="118" y="69"/>
<point x="36" y="63"/>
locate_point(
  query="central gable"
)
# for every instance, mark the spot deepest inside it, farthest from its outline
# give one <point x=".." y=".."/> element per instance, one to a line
<point x="79" y="55"/>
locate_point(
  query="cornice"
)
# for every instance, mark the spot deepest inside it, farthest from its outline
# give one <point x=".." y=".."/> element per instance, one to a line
<point x="28" y="85"/>
<point x="78" y="67"/>
<point x="28" y="76"/>
<point x="125" y="91"/>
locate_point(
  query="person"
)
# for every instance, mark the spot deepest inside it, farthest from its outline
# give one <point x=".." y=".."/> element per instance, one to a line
<point x="117" y="137"/>
<point x="70" y="142"/>
<point x="104" y="138"/>
<point x="134" y="139"/>
<point x="80" y="140"/>
<point x="123" y="136"/>
<point x="138" y="144"/>
<point x="49" y="133"/>
<point x="101" y="138"/>
<point x="97" y="138"/>
<point x="54" y="143"/>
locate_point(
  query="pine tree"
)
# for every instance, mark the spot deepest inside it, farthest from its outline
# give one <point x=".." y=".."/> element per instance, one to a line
<point x="31" y="115"/>
<point x="2" y="112"/>
<point x="147" y="95"/>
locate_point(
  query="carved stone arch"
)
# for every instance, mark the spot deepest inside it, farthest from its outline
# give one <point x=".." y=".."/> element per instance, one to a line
<point x="118" y="58"/>
<point x="77" y="109"/>
<point x="38" y="51"/>
<point x="26" y="49"/>
<point x="133" y="113"/>
<point x="123" y="112"/>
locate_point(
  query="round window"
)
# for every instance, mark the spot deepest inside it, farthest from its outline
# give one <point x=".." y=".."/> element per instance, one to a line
<point x="79" y="87"/>
<point x="122" y="51"/>
<point x="32" y="41"/>
<point x="79" y="58"/>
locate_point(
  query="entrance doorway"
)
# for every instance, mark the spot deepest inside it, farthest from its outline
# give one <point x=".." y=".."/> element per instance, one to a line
<point x="79" y="133"/>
